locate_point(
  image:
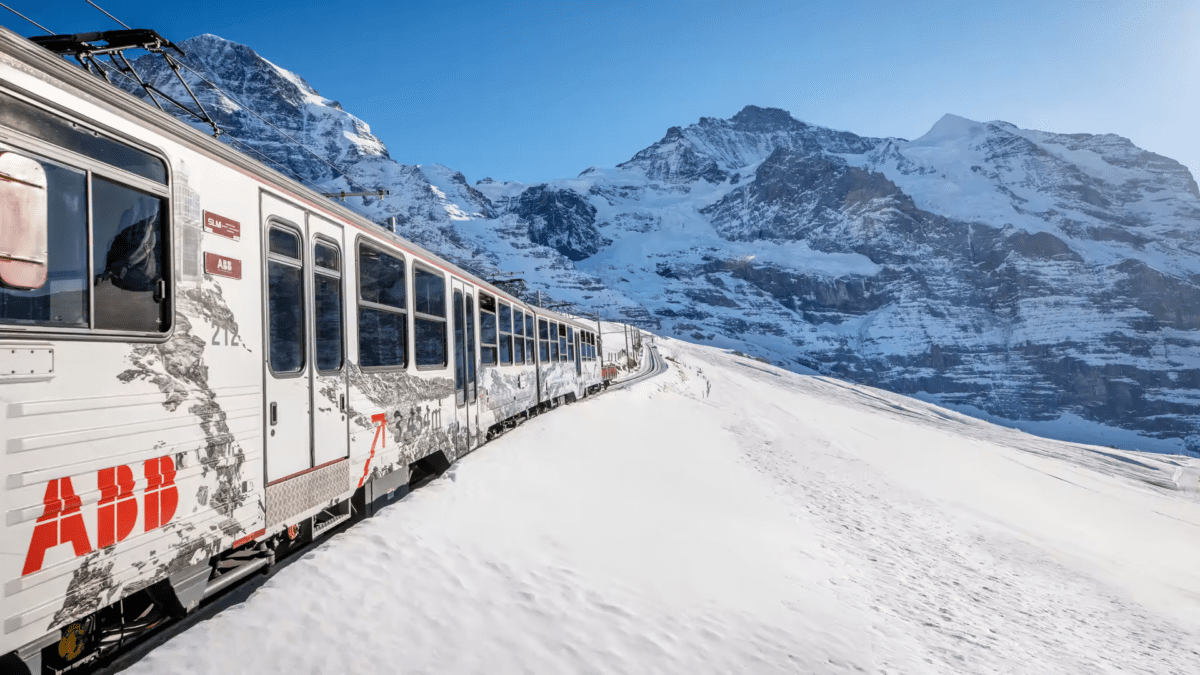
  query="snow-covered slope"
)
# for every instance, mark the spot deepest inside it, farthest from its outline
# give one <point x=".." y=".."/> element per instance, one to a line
<point x="1048" y="279"/>
<point x="735" y="517"/>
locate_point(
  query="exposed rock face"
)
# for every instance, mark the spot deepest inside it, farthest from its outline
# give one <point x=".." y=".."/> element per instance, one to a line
<point x="1018" y="273"/>
<point x="562" y="220"/>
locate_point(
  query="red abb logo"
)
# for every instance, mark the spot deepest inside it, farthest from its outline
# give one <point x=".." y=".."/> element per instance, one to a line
<point x="61" y="521"/>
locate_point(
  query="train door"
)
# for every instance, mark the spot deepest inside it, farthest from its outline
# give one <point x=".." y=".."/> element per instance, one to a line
<point x="330" y="433"/>
<point x="573" y="337"/>
<point x="466" y="393"/>
<point x="287" y="385"/>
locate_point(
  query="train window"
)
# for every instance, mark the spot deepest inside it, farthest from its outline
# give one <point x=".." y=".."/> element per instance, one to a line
<point x="23" y="233"/>
<point x="470" y="314"/>
<point x="382" y="319"/>
<point x="518" y="321"/>
<point x="460" y="351"/>
<point x="129" y="283"/>
<point x="28" y="119"/>
<point x="562" y="344"/>
<point x="554" y="341"/>
<point x="506" y="338"/>
<point x="285" y="305"/>
<point x="327" y="306"/>
<point x="284" y="243"/>
<point x="487" y="330"/>
<point x="544" y="340"/>
<point x="61" y="300"/>
<point x="529" y="358"/>
<point x="429" y="318"/>
<point x="327" y="256"/>
<point x="570" y="343"/>
<point x="98" y="254"/>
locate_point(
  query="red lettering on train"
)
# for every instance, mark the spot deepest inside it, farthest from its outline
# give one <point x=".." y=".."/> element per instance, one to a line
<point x="118" y="507"/>
<point x="162" y="497"/>
<point x="61" y="523"/>
<point x="380" y="419"/>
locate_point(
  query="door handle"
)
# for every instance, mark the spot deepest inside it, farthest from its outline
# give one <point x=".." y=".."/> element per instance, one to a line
<point x="274" y="414"/>
<point x="342" y="403"/>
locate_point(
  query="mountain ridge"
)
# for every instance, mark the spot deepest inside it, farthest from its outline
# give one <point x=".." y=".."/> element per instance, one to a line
<point x="1012" y="273"/>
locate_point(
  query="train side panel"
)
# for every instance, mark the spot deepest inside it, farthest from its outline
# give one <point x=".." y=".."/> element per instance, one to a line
<point x="128" y="457"/>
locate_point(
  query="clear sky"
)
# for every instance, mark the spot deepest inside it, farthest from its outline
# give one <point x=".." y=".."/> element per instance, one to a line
<point x="532" y="91"/>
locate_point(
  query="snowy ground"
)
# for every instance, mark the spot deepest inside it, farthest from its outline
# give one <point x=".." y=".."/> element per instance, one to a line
<point x="731" y="517"/>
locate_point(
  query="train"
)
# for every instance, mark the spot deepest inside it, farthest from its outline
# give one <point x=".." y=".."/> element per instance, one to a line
<point x="205" y="364"/>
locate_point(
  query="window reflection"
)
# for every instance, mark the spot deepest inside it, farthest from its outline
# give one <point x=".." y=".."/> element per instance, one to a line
<point x="127" y="257"/>
<point x="327" y="303"/>
<point x="285" y="303"/>
<point x="62" y="301"/>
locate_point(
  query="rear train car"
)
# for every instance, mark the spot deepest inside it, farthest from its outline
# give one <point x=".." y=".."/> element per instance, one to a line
<point x="204" y="365"/>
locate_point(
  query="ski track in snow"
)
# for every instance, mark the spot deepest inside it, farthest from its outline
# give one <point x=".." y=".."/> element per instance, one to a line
<point x="732" y="517"/>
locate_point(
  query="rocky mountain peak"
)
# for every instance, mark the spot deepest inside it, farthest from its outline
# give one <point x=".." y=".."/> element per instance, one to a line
<point x="754" y="118"/>
<point x="1050" y="279"/>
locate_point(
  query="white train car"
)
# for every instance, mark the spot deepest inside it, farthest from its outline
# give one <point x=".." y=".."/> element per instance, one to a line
<point x="204" y="364"/>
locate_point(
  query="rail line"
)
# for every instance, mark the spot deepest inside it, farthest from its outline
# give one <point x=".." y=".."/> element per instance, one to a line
<point x="658" y="366"/>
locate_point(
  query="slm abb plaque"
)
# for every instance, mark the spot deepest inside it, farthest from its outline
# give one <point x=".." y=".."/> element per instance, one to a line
<point x="222" y="266"/>
<point x="220" y="225"/>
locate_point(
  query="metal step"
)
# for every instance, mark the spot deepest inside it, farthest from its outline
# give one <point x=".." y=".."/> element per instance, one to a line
<point x="321" y="528"/>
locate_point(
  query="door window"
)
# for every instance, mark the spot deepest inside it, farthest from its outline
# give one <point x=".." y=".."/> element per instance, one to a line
<point x="327" y="304"/>
<point x="285" y="301"/>
<point x="470" y="312"/>
<point x="460" y="351"/>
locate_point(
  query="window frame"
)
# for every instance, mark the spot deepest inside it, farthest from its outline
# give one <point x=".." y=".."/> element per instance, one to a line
<point x="447" y="299"/>
<point x="504" y="337"/>
<point x="359" y="243"/>
<point x="35" y="148"/>
<point x="298" y="232"/>
<point x="543" y="321"/>
<point x="531" y="340"/>
<point x="518" y="336"/>
<point x="484" y="346"/>
<point x="341" y="281"/>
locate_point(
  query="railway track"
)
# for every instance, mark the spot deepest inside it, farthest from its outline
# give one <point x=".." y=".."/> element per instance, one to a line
<point x="657" y="366"/>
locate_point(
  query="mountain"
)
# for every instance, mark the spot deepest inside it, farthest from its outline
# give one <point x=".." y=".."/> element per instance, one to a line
<point x="1051" y="281"/>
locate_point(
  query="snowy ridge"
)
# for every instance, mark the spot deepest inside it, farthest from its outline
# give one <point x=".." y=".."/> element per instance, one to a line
<point x="1041" y="278"/>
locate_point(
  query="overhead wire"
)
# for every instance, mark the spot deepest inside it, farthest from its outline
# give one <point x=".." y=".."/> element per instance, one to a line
<point x="250" y="148"/>
<point x="107" y="14"/>
<point x="337" y="170"/>
<point x="48" y="31"/>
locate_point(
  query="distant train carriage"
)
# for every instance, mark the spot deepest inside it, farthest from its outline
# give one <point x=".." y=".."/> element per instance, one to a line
<point x="204" y="364"/>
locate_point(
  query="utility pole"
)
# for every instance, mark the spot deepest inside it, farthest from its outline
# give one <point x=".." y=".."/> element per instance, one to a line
<point x="628" y="355"/>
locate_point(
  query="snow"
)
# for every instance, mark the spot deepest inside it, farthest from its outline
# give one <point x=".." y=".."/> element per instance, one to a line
<point x="732" y="517"/>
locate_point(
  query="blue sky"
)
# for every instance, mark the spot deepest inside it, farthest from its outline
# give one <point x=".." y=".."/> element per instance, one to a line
<point x="532" y="91"/>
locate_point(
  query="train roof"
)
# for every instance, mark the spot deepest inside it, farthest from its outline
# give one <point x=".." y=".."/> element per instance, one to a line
<point x="52" y="68"/>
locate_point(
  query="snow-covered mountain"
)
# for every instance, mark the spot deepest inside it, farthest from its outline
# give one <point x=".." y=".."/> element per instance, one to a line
<point x="1048" y="279"/>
